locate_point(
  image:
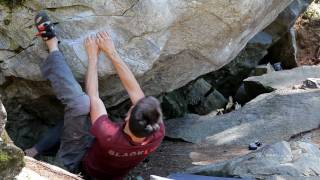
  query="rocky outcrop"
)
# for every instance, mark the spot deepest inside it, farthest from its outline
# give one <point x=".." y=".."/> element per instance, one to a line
<point x="286" y="79"/>
<point x="166" y="44"/>
<point x="270" y="118"/>
<point x="287" y="160"/>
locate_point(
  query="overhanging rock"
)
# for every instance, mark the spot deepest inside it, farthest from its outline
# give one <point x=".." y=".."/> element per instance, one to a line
<point x="166" y="43"/>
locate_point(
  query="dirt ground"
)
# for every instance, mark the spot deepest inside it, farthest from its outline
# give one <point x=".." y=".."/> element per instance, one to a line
<point x="174" y="157"/>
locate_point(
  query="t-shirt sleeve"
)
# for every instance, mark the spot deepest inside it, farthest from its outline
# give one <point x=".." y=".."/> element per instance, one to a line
<point x="104" y="128"/>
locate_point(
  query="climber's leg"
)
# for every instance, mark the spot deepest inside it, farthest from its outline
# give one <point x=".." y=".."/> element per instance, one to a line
<point x="75" y="139"/>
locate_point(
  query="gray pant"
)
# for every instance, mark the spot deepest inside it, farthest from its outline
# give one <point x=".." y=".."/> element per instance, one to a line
<point x="75" y="138"/>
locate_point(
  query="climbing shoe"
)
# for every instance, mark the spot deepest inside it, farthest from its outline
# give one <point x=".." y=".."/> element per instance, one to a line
<point x="45" y="26"/>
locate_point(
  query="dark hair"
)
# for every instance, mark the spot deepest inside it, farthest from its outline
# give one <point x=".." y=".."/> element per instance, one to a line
<point x="145" y="117"/>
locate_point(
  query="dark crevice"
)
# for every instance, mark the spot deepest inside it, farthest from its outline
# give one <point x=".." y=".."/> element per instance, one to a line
<point x="18" y="50"/>
<point x="131" y="7"/>
<point x="209" y="92"/>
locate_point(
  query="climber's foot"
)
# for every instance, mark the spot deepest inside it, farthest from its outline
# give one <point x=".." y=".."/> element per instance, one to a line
<point x="44" y="26"/>
<point x="32" y="152"/>
<point x="46" y="30"/>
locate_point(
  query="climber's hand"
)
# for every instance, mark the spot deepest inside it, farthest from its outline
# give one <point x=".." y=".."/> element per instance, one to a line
<point x="92" y="48"/>
<point x="105" y="43"/>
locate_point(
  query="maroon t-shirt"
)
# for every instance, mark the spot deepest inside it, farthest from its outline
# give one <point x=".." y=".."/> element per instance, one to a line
<point x="113" y="153"/>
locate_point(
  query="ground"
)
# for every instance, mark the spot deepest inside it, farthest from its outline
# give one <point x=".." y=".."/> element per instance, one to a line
<point x="174" y="157"/>
<point x="171" y="157"/>
<point x="177" y="156"/>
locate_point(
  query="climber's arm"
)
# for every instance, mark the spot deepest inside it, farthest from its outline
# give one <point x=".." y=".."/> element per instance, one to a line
<point x="97" y="107"/>
<point x="127" y="78"/>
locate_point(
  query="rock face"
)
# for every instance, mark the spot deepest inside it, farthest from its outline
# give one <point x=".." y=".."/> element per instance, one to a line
<point x="167" y="43"/>
<point x="270" y="118"/>
<point x="11" y="157"/>
<point x="286" y="159"/>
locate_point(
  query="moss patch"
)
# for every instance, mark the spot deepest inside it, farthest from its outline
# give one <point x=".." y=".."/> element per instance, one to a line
<point x="11" y="158"/>
<point x="4" y="159"/>
<point x="11" y="161"/>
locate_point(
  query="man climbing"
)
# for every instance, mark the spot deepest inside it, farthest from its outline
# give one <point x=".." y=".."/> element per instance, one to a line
<point x="116" y="148"/>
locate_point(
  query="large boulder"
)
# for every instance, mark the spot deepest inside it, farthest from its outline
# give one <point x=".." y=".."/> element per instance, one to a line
<point x="288" y="160"/>
<point x="269" y="117"/>
<point x="166" y="43"/>
<point x="286" y="79"/>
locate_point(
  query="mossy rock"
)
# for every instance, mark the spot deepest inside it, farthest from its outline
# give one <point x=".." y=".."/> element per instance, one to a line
<point x="11" y="158"/>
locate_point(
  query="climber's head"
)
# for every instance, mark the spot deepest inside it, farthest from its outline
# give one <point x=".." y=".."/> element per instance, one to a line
<point x="145" y="117"/>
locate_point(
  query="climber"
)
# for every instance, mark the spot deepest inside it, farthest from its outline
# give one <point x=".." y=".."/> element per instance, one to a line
<point x="107" y="150"/>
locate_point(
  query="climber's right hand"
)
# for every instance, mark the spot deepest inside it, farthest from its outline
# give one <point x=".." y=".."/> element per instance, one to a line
<point x="105" y="43"/>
